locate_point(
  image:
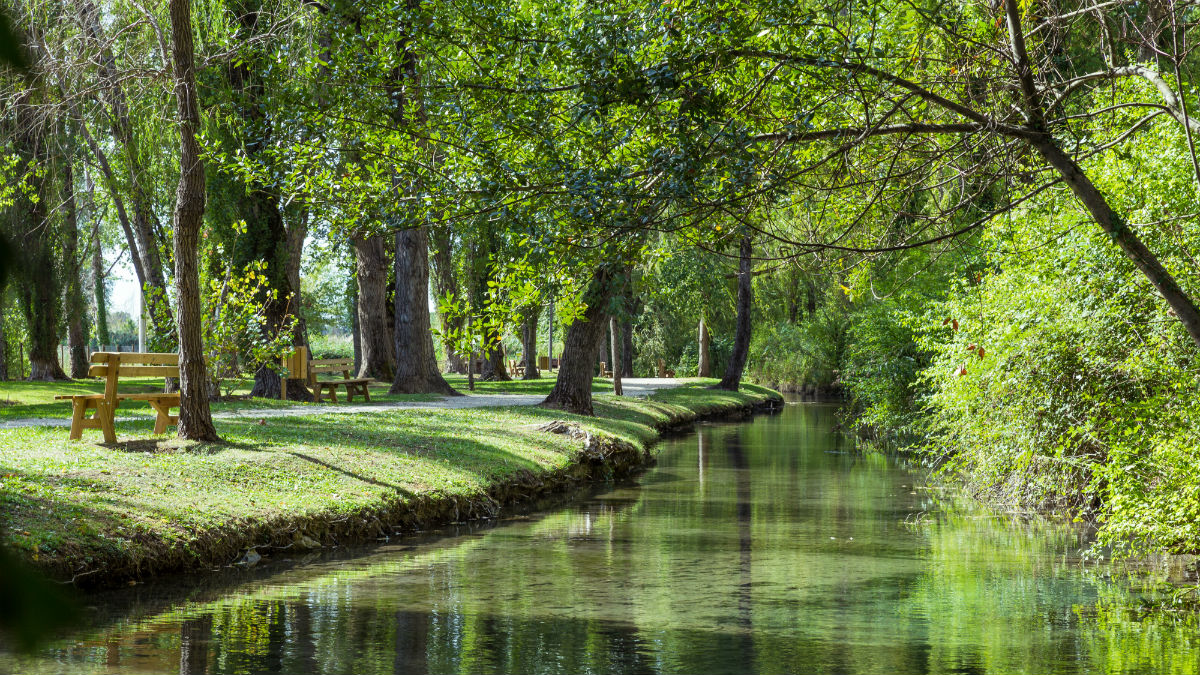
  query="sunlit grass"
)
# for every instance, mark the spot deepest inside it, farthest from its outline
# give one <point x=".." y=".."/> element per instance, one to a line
<point x="63" y="500"/>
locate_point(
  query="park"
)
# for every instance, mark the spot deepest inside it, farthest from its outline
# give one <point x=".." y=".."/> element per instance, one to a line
<point x="664" y="336"/>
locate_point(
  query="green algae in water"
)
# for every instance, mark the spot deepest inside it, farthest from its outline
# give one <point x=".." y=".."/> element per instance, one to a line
<point x="758" y="547"/>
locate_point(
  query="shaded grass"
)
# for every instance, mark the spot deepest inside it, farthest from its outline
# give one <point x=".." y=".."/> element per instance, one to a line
<point x="23" y="400"/>
<point x="75" y="507"/>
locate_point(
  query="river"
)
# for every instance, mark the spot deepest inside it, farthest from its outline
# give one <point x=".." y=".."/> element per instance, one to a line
<point x="768" y="546"/>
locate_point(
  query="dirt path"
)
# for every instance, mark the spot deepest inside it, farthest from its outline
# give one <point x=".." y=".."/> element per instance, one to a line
<point x="633" y="386"/>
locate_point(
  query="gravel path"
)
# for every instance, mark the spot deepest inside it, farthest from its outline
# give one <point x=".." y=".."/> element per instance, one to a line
<point x="633" y="386"/>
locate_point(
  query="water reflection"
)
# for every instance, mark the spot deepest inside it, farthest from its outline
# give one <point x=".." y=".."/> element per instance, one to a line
<point x="754" y="547"/>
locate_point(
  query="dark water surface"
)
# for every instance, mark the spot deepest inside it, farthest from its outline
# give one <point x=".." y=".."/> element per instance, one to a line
<point x="760" y="547"/>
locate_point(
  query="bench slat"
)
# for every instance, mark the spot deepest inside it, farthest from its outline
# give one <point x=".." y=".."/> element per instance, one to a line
<point x="332" y="362"/>
<point x="136" y="371"/>
<point x="148" y="358"/>
<point x="133" y="397"/>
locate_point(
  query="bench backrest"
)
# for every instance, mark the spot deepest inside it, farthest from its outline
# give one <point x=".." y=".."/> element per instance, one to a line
<point x="115" y="365"/>
<point x="344" y="366"/>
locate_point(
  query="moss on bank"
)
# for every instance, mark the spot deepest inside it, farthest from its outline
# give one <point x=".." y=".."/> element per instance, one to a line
<point x="104" y="514"/>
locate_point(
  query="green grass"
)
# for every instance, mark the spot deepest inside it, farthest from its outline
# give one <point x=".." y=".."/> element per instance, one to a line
<point x="22" y="400"/>
<point x="69" y="505"/>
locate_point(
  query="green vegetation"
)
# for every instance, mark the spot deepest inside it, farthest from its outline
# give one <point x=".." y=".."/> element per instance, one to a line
<point x="155" y="502"/>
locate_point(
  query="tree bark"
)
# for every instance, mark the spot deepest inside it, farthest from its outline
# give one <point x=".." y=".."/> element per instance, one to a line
<point x="572" y="391"/>
<point x="99" y="282"/>
<point x="355" y="333"/>
<point x="3" y="338"/>
<point x="529" y="345"/>
<point x="73" y="302"/>
<point x="614" y="335"/>
<point x="195" y="418"/>
<point x="705" y="366"/>
<point x="378" y="349"/>
<point x="745" y="301"/>
<point x="416" y="363"/>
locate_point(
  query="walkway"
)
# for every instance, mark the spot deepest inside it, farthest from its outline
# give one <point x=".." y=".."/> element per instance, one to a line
<point x="631" y="386"/>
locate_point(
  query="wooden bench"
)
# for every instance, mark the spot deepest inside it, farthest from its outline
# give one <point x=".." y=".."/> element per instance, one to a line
<point x="604" y="370"/>
<point x="112" y="366"/>
<point x="353" y="385"/>
<point x="515" y="368"/>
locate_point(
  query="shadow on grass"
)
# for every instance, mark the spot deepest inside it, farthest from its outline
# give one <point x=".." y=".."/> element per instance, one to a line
<point x="350" y="474"/>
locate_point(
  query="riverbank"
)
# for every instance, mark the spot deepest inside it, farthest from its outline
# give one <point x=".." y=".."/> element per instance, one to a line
<point x="103" y="515"/>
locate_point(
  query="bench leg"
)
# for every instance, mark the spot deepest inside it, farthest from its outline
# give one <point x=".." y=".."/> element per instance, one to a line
<point x="164" y="418"/>
<point x="78" y="411"/>
<point x="366" y="393"/>
<point x="317" y="394"/>
<point x="349" y="393"/>
<point x="333" y="394"/>
<point x="105" y="414"/>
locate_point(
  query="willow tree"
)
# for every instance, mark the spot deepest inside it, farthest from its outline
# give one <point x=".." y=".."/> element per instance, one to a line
<point x="195" y="418"/>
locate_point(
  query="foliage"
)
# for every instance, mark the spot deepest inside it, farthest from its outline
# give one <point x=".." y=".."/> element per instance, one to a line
<point x="236" y="328"/>
<point x="1066" y="385"/>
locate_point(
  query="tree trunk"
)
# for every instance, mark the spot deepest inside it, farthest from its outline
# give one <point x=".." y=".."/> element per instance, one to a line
<point x="195" y="419"/>
<point x="99" y="282"/>
<point x="614" y="334"/>
<point x="145" y="224"/>
<point x="572" y="391"/>
<point x="355" y="332"/>
<point x="39" y="287"/>
<point x="529" y="345"/>
<point x="627" y="351"/>
<point x="705" y="367"/>
<point x="745" y="301"/>
<point x="496" y="368"/>
<point x="1123" y="235"/>
<point x="1088" y="194"/>
<point x="378" y="349"/>
<point x="110" y="182"/>
<point x="3" y="338"/>
<point x="446" y="285"/>
<point x="416" y="364"/>
<point x="73" y="302"/>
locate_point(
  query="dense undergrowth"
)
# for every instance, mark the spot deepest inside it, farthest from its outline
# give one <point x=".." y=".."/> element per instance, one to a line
<point x="1033" y="363"/>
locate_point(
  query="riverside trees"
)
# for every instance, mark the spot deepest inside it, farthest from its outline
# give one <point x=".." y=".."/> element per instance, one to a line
<point x="555" y="147"/>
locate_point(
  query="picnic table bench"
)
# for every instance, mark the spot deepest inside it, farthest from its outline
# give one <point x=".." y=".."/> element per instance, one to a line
<point x="353" y="385"/>
<point x="298" y="366"/>
<point x="112" y="366"/>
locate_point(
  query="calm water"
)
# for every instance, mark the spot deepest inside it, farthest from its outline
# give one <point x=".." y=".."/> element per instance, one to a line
<point x="766" y="546"/>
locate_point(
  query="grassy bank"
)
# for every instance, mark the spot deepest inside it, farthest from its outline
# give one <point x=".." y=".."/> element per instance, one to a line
<point x="21" y="400"/>
<point x="103" y="514"/>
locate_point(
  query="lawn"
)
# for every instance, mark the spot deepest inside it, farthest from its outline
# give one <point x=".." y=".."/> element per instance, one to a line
<point x="153" y="501"/>
<point x="19" y="400"/>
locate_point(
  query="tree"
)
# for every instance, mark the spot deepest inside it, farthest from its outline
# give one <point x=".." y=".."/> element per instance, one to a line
<point x="73" y="302"/>
<point x="745" y="301"/>
<point x="416" y="361"/>
<point x="195" y="418"/>
<point x="142" y="239"/>
<point x="572" y="390"/>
